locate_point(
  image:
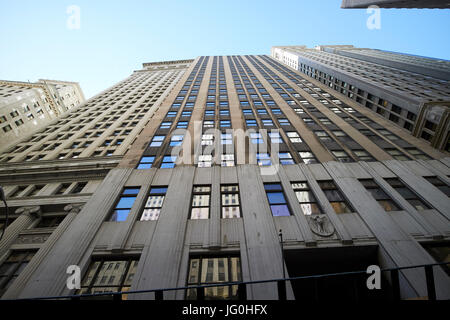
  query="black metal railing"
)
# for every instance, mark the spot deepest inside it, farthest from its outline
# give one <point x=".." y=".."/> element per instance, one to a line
<point x="281" y="285"/>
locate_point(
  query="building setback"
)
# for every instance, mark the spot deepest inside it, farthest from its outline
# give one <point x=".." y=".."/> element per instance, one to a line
<point x="418" y="4"/>
<point x="347" y="187"/>
<point x="411" y="91"/>
<point x="27" y="107"/>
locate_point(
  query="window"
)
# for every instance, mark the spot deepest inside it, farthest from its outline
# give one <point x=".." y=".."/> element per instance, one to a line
<point x="227" y="160"/>
<point x="204" y="161"/>
<point x="79" y="187"/>
<point x="438" y="183"/>
<point x="256" y="138"/>
<point x="342" y="156"/>
<point x="267" y="122"/>
<point x="275" y="137"/>
<point x="251" y="123"/>
<point x="154" y="203"/>
<point x="230" y="201"/>
<point x="294" y="137"/>
<point x="225" y="123"/>
<point x="418" y="154"/>
<point x="36" y="190"/>
<point x="284" y="122"/>
<point x="109" y="275"/>
<point x="335" y="197"/>
<point x="397" y="154"/>
<point x="182" y="124"/>
<point x="307" y="157"/>
<point x="18" y="191"/>
<point x="165" y="125"/>
<point x="50" y="221"/>
<point x="176" y="140"/>
<point x="382" y="198"/>
<point x="123" y="206"/>
<point x="277" y="200"/>
<point x="406" y="193"/>
<point x="226" y="138"/>
<point x="285" y="158"/>
<point x="200" y="202"/>
<point x="168" y="162"/>
<point x="322" y="135"/>
<point x="306" y="198"/>
<point x="214" y="270"/>
<point x="363" y="155"/>
<point x="263" y="159"/>
<point x="146" y="162"/>
<point x="208" y="124"/>
<point x="7" y="128"/>
<point x="157" y="141"/>
<point x="12" y="267"/>
<point x="62" y="188"/>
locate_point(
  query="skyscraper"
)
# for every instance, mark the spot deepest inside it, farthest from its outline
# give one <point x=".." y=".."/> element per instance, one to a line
<point x="185" y="172"/>
<point x="418" y="4"/>
<point x="411" y="91"/>
<point x="27" y="107"/>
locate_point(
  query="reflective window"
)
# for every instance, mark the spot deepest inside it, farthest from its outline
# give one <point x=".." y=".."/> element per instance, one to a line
<point x="106" y="275"/>
<point x="306" y="198"/>
<point x="230" y="201"/>
<point x="277" y="200"/>
<point x="123" y="206"/>
<point x="200" y="202"/>
<point x="146" y="162"/>
<point x="214" y="270"/>
<point x="154" y="203"/>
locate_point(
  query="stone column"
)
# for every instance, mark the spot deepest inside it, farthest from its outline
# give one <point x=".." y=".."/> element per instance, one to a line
<point x="18" y="285"/>
<point x="27" y="216"/>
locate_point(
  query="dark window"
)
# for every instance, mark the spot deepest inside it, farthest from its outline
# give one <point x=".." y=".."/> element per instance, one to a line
<point x="406" y="193"/>
<point x="62" y="188"/>
<point x="50" y="221"/>
<point x="438" y="183"/>
<point x="79" y="187"/>
<point x="382" y="198"/>
<point x="12" y="267"/>
<point x="335" y="197"/>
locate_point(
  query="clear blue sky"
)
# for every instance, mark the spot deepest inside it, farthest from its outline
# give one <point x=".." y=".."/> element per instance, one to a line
<point x="116" y="37"/>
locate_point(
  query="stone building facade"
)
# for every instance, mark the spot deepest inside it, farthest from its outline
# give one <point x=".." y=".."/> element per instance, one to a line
<point x="185" y="172"/>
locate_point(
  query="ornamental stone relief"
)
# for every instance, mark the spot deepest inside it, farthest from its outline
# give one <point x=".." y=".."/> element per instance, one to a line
<point x="321" y="225"/>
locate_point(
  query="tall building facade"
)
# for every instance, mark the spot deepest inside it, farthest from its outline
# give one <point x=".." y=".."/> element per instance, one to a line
<point x="417" y="4"/>
<point x="184" y="174"/>
<point x="411" y="91"/>
<point x="27" y="107"/>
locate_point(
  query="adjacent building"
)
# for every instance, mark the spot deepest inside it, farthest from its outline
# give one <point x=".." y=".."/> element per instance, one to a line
<point x="185" y="172"/>
<point x="411" y="91"/>
<point x="27" y="107"/>
<point x="417" y="4"/>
